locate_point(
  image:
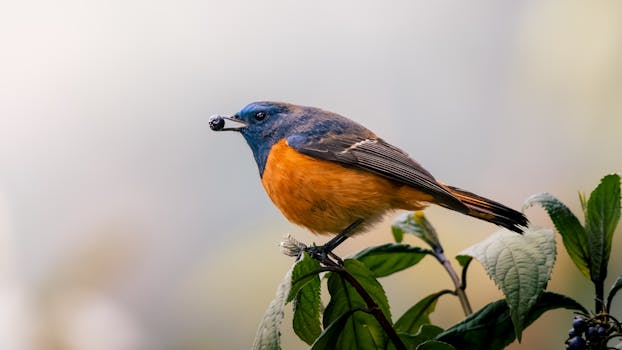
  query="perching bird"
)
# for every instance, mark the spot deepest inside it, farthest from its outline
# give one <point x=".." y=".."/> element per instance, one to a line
<point x="332" y="175"/>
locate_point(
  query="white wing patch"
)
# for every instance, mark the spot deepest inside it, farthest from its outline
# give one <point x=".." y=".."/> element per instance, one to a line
<point x="358" y="144"/>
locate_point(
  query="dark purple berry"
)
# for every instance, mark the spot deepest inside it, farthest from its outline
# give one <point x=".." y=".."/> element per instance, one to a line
<point x="216" y="123"/>
<point x="591" y="332"/>
<point x="579" y="324"/>
<point x="601" y="331"/>
<point x="572" y="333"/>
<point x="576" y="343"/>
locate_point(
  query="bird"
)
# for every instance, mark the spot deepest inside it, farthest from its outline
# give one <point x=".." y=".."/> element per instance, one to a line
<point x="332" y="175"/>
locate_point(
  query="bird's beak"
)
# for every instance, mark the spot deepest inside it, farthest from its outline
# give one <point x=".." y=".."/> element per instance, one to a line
<point x="218" y="123"/>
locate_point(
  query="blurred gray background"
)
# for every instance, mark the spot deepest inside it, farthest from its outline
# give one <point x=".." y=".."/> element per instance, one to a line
<point x="125" y="223"/>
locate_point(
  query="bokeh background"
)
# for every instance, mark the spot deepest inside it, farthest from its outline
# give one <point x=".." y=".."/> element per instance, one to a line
<point x="125" y="223"/>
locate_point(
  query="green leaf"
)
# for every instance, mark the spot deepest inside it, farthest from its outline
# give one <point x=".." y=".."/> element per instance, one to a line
<point x="306" y="322"/>
<point x="330" y="336"/>
<point x="426" y="332"/>
<point x="520" y="265"/>
<point x="347" y="298"/>
<point x="435" y="345"/>
<point x="398" y="233"/>
<point x="268" y="336"/>
<point x="617" y="285"/>
<point x="386" y="259"/>
<point x="418" y="314"/>
<point x="573" y="233"/>
<point x="464" y="260"/>
<point x="491" y="328"/>
<point x="306" y="293"/>
<point x="305" y="270"/>
<point x="362" y="330"/>
<point x="603" y="214"/>
<point x="583" y="201"/>
<point x="415" y="223"/>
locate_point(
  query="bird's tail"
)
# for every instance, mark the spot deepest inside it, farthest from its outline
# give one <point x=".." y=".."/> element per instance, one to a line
<point x="489" y="210"/>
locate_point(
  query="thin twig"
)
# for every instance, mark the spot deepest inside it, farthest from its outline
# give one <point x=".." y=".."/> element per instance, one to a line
<point x="427" y="233"/>
<point x="460" y="287"/>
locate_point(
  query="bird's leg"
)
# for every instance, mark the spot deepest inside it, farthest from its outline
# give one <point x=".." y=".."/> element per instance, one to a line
<point x="341" y="236"/>
<point x="325" y="251"/>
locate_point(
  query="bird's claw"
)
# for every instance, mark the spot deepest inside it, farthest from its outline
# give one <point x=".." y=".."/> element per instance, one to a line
<point x="323" y="254"/>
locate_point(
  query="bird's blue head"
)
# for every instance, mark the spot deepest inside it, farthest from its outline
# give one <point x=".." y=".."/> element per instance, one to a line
<point x="263" y="124"/>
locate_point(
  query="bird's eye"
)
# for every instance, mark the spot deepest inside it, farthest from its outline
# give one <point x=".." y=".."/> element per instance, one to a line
<point x="260" y="115"/>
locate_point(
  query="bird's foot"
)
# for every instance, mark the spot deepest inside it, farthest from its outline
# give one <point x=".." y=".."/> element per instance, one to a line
<point x="324" y="254"/>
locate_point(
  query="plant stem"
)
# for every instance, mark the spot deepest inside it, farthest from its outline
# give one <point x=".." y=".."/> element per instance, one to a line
<point x="424" y="230"/>
<point x="372" y="306"/>
<point x="599" y="287"/>
<point x="460" y="292"/>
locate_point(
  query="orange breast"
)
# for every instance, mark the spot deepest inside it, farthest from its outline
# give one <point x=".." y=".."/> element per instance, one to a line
<point x="325" y="196"/>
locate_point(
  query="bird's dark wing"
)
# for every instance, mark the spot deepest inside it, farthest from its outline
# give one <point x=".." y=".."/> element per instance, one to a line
<point x="377" y="156"/>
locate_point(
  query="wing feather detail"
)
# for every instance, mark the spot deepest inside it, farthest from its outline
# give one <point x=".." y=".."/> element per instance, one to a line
<point x="377" y="156"/>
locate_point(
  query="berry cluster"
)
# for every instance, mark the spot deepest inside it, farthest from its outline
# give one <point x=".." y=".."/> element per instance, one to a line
<point x="586" y="333"/>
